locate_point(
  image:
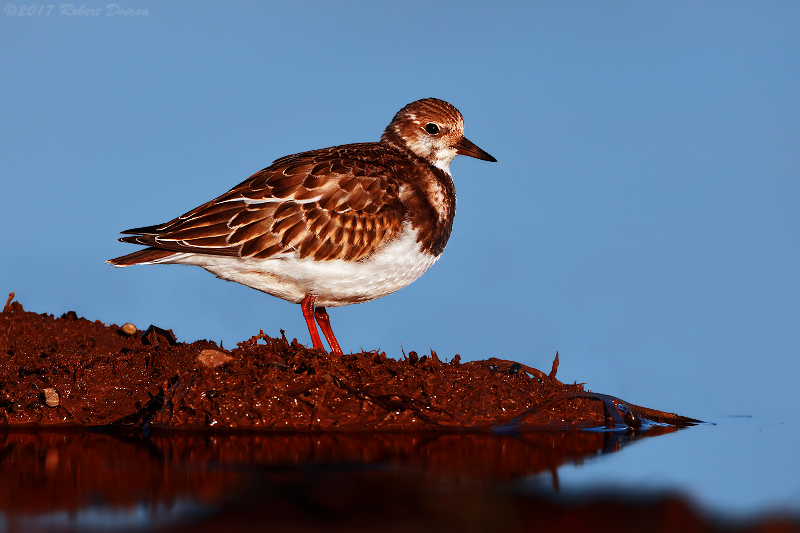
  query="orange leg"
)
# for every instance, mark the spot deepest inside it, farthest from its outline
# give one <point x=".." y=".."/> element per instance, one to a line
<point x="307" y="305"/>
<point x="324" y="322"/>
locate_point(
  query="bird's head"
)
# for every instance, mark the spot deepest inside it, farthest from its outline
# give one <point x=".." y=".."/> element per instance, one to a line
<point x="433" y="130"/>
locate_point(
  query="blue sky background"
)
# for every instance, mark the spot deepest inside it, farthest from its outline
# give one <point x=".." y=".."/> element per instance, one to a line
<point x="642" y="219"/>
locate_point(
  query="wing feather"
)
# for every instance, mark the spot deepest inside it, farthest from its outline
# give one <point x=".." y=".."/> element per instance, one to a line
<point x="336" y="203"/>
<point x="258" y="244"/>
<point x="250" y="215"/>
<point x="202" y="232"/>
<point x="250" y="231"/>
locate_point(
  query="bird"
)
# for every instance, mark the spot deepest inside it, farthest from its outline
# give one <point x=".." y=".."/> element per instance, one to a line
<point x="328" y="227"/>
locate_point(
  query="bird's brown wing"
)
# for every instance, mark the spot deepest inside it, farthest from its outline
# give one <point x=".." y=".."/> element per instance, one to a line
<point x="336" y="203"/>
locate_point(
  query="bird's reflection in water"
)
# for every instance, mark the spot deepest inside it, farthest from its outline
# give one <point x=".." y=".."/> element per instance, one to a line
<point x="129" y="480"/>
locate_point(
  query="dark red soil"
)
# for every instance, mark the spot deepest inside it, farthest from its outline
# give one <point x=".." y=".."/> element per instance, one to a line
<point x="104" y="376"/>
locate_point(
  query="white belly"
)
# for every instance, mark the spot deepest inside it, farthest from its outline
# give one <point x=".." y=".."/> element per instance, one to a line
<point x="334" y="283"/>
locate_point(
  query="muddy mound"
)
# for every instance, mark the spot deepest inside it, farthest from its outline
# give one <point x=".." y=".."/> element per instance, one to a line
<point x="69" y="371"/>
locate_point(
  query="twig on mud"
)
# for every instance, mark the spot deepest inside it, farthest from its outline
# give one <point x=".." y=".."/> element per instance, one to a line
<point x="555" y="368"/>
<point x="617" y="421"/>
<point x="254" y="340"/>
<point x="8" y="302"/>
<point x="505" y="365"/>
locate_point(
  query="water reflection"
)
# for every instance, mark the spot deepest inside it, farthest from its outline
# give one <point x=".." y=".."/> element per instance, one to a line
<point x="101" y="480"/>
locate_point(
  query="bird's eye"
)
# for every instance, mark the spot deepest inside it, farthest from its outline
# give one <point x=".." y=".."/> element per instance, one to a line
<point x="432" y="128"/>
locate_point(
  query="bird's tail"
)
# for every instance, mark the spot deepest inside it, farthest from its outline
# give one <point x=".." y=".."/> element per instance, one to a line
<point x="146" y="256"/>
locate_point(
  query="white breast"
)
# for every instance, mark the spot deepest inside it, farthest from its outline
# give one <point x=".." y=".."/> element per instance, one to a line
<point x="334" y="283"/>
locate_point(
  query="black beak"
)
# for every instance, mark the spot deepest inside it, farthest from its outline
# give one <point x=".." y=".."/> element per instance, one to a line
<point x="466" y="147"/>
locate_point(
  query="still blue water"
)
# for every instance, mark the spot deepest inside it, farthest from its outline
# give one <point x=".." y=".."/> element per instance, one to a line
<point x="741" y="465"/>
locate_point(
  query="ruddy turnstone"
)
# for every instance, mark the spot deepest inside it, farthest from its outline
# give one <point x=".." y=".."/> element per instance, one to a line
<point x="330" y="227"/>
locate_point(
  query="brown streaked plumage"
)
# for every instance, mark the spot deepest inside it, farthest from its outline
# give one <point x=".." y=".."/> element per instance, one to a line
<point x="328" y="227"/>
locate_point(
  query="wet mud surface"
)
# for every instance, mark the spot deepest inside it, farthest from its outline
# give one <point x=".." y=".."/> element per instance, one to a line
<point x="69" y="371"/>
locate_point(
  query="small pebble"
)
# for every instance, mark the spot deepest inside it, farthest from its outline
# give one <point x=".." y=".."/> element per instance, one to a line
<point x="213" y="358"/>
<point x="51" y="397"/>
<point x="128" y="329"/>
